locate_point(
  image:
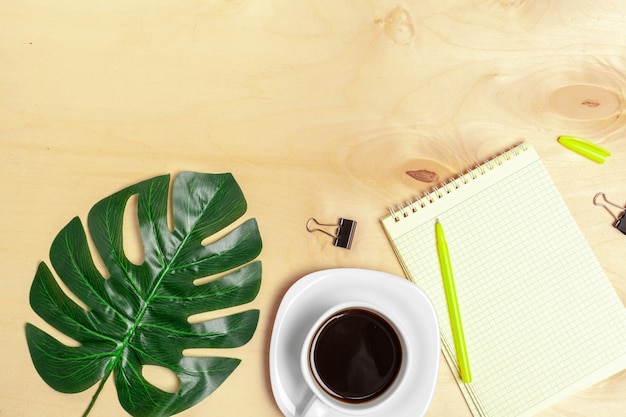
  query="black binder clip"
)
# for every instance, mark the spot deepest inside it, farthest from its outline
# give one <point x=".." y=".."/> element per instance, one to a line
<point x="343" y="234"/>
<point x="620" y="221"/>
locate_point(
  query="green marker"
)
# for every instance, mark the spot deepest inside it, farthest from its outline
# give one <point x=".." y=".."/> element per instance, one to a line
<point x="453" y="304"/>
<point x="585" y="148"/>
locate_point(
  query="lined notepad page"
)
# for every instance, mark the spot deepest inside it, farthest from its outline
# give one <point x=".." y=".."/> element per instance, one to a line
<point x="541" y="318"/>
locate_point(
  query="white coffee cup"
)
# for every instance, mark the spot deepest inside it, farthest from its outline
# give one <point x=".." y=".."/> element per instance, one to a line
<point x="323" y="398"/>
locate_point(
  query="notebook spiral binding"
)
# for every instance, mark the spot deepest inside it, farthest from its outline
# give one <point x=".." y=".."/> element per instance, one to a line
<point x="446" y="187"/>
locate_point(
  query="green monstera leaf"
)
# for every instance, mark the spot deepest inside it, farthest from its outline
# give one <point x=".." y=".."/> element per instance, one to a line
<point x="138" y="315"/>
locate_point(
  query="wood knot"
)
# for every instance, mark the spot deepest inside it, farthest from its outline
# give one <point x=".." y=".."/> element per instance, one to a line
<point x="590" y="103"/>
<point x="424" y="175"/>
<point x="398" y="26"/>
<point x="585" y="101"/>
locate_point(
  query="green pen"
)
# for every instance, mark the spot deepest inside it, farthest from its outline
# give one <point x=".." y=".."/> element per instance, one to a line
<point x="453" y="304"/>
<point x="585" y="148"/>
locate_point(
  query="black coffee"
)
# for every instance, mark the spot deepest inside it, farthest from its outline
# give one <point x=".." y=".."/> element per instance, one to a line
<point x="356" y="355"/>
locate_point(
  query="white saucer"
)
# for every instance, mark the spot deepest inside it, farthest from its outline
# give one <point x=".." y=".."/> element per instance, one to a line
<point x="313" y="294"/>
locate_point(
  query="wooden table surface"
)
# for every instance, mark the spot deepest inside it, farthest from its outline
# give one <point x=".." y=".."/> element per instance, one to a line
<point x="318" y="108"/>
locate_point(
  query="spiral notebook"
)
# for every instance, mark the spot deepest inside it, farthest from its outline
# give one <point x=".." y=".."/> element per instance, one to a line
<point x="540" y="317"/>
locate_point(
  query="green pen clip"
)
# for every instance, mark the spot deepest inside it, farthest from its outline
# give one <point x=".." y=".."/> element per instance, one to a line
<point x="585" y="148"/>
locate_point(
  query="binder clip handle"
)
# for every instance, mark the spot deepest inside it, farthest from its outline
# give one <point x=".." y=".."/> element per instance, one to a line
<point x="619" y="224"/>
<point x="344" y="232"/>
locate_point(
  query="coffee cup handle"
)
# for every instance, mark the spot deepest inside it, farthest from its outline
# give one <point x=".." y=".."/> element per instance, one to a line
<point x="314" y="408"/>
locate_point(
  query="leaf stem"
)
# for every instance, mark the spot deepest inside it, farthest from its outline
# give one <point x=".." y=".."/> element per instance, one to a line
<point x="96" y="395"/>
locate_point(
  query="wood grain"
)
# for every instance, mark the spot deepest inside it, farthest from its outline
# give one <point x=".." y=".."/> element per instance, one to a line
<point x="319" y="108"/>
